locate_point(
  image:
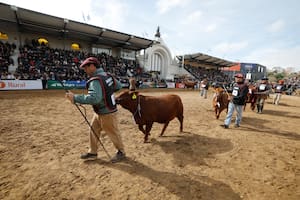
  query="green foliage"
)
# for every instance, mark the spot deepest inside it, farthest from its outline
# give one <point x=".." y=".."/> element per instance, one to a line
<point x="279" y="76"/>
<point x="274" y="75"/>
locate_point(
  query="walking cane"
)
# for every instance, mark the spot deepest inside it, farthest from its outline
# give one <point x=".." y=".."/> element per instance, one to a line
<point x="87" y="121"/>
<point x="225" y="89"/>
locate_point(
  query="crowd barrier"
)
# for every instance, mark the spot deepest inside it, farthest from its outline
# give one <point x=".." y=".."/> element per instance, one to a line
<point x="53" y="84"/>
<point x="21" y="85"/>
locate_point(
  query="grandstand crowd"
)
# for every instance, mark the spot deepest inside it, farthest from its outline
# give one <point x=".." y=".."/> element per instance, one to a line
<point x="39" y="61"/>
<point x="212" y="75"/>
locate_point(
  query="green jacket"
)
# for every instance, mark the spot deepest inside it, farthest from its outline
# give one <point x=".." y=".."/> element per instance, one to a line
<point x="95" y="94"/>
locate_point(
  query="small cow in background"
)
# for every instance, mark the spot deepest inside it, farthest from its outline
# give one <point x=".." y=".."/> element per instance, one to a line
<point x="220" y="101"/>
<point x="190" y="84"/>
<point x="251" y="96"/>
<point x="149" y="109"/>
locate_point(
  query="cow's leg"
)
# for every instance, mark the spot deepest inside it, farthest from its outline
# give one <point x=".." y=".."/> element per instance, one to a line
<point x="164" y="128"/>
<point x="216" y="112"/>
<point x="219" y="112"/>
<point x="147" y="132"/>
<point x="141" y="127"/>
<point x="180" y="118"/>
<point x="253" y="102"/>
<point x="252" y="105"/>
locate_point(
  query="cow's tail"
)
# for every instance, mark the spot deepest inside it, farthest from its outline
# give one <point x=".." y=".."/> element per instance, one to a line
<point x="180" y="113"/>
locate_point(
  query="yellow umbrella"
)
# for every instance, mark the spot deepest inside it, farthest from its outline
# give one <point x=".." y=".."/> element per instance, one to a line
<point x="42" y="40"/>
<point x="75" y="46"/>
<point x="3" y="36"/>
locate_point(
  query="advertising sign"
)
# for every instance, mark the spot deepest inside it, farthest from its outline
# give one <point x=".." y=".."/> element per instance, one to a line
<point x="170" y="84"/>
<point x="21" y="85"/>
<point x="52" y="84"/>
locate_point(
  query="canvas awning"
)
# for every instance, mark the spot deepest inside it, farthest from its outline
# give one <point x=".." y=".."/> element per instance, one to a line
<point x="199" y="59"/>
<point x="35" y="22"/>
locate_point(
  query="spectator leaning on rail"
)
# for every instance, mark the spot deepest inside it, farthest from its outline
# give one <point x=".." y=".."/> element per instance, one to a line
<point x="237" y="101"/>
<point x="101" y="87"/>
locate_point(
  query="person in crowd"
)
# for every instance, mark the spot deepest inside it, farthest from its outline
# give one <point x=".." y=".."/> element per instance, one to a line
<point x="263" y="90"/>
<point x="237" y="101"/>
<point x="101" y="87"/>
<point x="44" y="78"/>
<point x="278" y="89"/>
<point x="204" y="88"/>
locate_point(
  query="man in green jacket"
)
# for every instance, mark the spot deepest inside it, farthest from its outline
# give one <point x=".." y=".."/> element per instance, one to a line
<point x="101" y="87"/>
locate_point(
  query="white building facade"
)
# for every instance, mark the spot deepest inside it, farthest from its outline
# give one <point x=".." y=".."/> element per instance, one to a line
<point x="158" y="59"/>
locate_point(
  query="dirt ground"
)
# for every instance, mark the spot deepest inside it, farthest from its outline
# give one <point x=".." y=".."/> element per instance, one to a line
<point x="42" y="137"/>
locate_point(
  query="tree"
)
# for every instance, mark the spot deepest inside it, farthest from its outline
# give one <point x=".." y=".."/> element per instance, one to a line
<point x="279" y="76"/>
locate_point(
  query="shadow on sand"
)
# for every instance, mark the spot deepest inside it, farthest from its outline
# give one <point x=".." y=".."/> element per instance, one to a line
<point x="187" y="149"/>
<point x="192" y="149"/>
<point x="257" y="125"/>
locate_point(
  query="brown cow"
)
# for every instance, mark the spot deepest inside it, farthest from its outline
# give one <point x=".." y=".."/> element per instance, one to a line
<point x="189" y="84"/>
<point x="149" y="109"/>
<point x="220" y="101"/>
<point x="251" y="97"/>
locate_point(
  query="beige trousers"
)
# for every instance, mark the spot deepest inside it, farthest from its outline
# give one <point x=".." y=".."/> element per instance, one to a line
<point x="277" y="98"/>
<point x="109" y="124"/>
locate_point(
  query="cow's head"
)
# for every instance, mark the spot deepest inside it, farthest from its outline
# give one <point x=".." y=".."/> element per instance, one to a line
<point x="219" y="91"/>
<point x="221" y="95"/>
<point x="127" y="99"/>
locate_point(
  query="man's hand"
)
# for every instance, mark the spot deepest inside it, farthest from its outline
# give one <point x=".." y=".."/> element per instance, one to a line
<point x="69" y="95"/>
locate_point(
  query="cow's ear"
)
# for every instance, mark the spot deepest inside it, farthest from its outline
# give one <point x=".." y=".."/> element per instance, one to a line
<point x="133" y="96"/>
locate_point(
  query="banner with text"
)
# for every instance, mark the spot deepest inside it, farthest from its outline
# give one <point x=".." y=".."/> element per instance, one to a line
<point x="67" y="84"/>
<point x="21" y="85"/>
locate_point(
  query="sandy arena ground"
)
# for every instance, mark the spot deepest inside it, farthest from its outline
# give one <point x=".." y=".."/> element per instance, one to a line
<point x="42" y="137"/>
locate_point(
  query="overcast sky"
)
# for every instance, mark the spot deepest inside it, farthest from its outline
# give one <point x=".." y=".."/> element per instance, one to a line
<point x="257" y="31"/>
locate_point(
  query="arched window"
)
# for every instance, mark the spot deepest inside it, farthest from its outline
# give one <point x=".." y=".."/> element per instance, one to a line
<point x="156" y="62"/>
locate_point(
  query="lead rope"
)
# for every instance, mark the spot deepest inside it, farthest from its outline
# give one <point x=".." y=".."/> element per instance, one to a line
<point x="87" y="121"/>
<point x="227" y="92"/>
<point x="84" y="109"/>
<point x="138" y="108"/>
<point x="93" y="131"/>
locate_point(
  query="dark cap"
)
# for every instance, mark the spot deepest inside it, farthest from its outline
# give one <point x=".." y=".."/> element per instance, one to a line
<point x="265" y="79"/>
<point x="239" y="75"/>
<point x="90" y="60"/>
